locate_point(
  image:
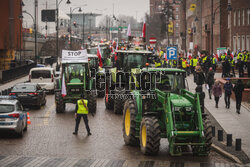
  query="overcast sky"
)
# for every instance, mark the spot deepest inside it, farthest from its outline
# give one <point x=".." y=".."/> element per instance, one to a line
<point x="121" y="7"/>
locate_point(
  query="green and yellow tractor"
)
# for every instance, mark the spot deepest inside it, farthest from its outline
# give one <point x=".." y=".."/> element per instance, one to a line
<point x="165" y="109"/>
<point x="78" y="81"/>
<point x="127" y="63"/>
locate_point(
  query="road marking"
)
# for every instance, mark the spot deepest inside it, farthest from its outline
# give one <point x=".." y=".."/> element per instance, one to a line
<point x="47" y="115"/>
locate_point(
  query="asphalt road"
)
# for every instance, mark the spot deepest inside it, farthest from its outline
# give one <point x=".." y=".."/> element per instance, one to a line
<point x="50" y="135"/>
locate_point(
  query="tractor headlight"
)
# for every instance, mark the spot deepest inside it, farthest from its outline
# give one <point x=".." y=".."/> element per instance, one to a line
<point x="188" y="108"/>
<point x="177" y="108"/>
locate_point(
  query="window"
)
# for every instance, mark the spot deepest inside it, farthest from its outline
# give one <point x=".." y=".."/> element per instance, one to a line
<point x="248" y="43"/>
<point x="177" y="25"/>
<point x="238" y="43"/>
<point x="234" y="43"/>
<point x="248" y="16"/>
<point x="177" y="17"/>
<point x="234" y="18"/>
<point x="229" y="20"/>
<point x="177" y="9"/>
<point x="243" y="17"/>
<point x="243" y="42"/>
<point x="238" y="17"/>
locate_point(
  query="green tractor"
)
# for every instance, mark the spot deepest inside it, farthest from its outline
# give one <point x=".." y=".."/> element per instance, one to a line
<point x="99" y="72"/>
<point x="78" y="81"/>
<point x="127" y="63"/>
<point x="166" y="110"/>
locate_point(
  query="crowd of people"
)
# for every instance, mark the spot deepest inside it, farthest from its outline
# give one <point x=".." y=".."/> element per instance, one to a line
<point x="204" y="66"/>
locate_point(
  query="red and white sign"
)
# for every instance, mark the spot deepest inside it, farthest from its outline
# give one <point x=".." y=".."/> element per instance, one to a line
<point x="152" y="40"/>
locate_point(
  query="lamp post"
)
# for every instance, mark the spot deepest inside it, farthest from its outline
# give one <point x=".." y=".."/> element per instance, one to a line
<point x="70" y="32"/>
<point x="57" y="25"/>
<point x="34" y="22"/>
<point x="229" y="8"/>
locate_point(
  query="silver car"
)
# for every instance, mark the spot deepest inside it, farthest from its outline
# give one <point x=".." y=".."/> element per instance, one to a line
<point x="12" y="115"/>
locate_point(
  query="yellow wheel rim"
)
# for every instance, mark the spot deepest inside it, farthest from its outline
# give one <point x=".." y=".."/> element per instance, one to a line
<point x="144" y="136"/>
<point x="127" y="122"/>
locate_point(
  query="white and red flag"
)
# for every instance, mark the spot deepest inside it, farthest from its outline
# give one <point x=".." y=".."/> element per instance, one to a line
<point x="144" y="30"/>
<point x="99" y="55"/>
<point x="129" y="31"/>
<point x="64" y="92"/>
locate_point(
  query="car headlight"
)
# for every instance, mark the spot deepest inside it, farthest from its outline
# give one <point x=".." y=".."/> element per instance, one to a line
<point x="188" y="108"/>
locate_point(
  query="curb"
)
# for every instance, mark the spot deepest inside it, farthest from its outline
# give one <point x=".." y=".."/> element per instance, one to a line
<point x="226" y="154"/>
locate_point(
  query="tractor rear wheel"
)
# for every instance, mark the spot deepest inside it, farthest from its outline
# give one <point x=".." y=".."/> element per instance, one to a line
<point x="109" y="100"/>
<point x="60" y="105"/>
<point x="92" y="102"/>
<point x="119" y="102"/>
<point x="101" y="92"/>
<point x="129" y="123"/>
<point x="150" y="135"/>
<point x="208" y="133"/>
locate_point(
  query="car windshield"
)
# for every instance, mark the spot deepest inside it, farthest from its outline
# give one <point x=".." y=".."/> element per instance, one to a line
<point x="6" y="108"/>
<point x="40" y="73"/>
<point x="74" y="71"/>
<point x="104" y="51"/>
<point x="135" y="60"/>
<point x="171" y="82"/>
<point x="24" y="88"/>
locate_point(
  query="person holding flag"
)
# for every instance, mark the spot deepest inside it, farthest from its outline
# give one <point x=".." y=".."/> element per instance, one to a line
<point x="99" y="55"/>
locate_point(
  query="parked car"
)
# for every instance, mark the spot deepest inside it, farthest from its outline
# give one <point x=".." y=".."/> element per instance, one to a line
<point x="12" y="115"/>
<point x="44" y="76"/>
<point x="29" y="94"/>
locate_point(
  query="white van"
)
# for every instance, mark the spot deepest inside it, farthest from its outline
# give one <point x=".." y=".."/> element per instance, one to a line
<point x="44" y="76"/>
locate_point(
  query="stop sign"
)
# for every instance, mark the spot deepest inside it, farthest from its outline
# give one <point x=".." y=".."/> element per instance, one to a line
<point x="152" y="40"/>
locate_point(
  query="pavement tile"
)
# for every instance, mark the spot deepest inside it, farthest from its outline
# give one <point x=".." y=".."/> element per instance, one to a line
<point x="20" y="161"/>
<point x="146" y="164"/>
<point x="52" y="162"/>
<point x="115" y="163"/>
<point x="131" y="163"/>
<point x="84" y="163"/>
<point x="8" y="160"/>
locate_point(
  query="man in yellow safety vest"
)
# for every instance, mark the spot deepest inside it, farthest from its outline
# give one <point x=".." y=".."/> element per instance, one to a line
<point x="82" y="111"/>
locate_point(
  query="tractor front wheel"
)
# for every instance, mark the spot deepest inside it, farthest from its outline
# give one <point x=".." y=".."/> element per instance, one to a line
<point x="129" y="123"/>
<point x="150" y="135"/>
<point x="92" y="102"/>
<point x="208" y="134"/>
<point x="119" y="102"/>
<point x="60" y="105"/>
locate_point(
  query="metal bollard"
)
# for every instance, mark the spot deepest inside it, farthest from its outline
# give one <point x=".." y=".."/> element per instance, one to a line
<point x="238" y="144"/>
<point x="229" y="140"/>
<point x="220" y="135"/>
<point x="213" y="131"/>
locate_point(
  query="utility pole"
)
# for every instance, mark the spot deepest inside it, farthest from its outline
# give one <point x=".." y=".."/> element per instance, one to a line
<point x="83" y="21"/>
<point x="212" y="27"/>
<point x="35" y="29"/>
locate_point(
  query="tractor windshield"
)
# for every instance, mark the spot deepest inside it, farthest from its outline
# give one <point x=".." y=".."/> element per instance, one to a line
<point x="74" y="73"/>
<point x="135" y="61"/>
<point x="171" y="82"/>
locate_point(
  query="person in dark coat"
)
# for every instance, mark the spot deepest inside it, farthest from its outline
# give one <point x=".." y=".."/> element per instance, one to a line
<point x="228" y="87"/>
<point x="238" y="89"/>
<point x="200" y="77"/>
<point x="240" y="65"/>
<point x="217" y="92"/>
<point x="199" y="91"/>
<point x="210" y="81"/>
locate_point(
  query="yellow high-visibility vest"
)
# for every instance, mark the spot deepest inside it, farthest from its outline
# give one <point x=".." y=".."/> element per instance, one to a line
<point x="81" y="108"/>
<point x="195" y="61"/>
<point x="214" y="62"/>
<point x="184" y="64"/>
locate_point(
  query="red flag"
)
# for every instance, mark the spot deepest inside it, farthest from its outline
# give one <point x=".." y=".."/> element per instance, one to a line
<point x="115" y="56"/>
<point x="63" y="91"/>
<point x="144" y="30"/>
<point x="99" y="55"/>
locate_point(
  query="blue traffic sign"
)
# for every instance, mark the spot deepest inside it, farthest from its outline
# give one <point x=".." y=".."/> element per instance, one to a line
<point x="171" y="53"/>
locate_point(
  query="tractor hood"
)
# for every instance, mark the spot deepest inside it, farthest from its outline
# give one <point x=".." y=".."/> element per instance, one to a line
<point x="179" y="101"/>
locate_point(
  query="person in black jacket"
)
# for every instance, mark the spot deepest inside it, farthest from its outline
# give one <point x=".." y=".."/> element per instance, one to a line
<point x="210" y="81"/>
<point x="228" y="87"/>
<point x="200" y="77"/>
<point x="238" y="89"/>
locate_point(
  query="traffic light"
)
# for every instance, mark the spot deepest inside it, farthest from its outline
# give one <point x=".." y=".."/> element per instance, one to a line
<point x="74" y="23"/>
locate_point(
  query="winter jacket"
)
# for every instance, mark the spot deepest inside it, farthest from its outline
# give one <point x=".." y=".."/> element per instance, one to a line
<point x="238" y="89"/>
<point x="228" y="87"/>
<point x="217" y="90"/>
<point x="200" y="78"/>
<point x="210" y="78"/>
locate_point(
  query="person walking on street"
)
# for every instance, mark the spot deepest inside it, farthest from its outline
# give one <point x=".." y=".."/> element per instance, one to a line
<point x="210" y="81"/>
<point x="240" y="65"/>
<point x="238" y="89"/>
<point x="82" y="111"/>
<point x="217" y="92"/>
<point x="199" y="77"/>
<point x="228" y="87"/>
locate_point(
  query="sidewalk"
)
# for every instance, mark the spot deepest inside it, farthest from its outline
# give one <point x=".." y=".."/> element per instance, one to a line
<point x="12" y="83"/>
<point x="236" y="124"/>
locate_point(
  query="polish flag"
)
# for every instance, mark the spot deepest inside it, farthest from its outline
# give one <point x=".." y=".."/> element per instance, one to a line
<point x="64" y="92"/>
<point x="99" y="55"/>
<point x="144" y="30"/>
<point x="129" y="31"/>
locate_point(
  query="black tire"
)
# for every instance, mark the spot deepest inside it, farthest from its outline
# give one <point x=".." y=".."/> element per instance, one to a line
<point x="119" y="102"/>
<point x="152" y="143"/>
<point x="20" y="134"/>
<point x="101" y="93"/>
<point x="60" y="105"/>
<point x="92" y="102"/>
<point x="208" y="133"/>
<point x="26" y="126"/>
<point x="109" y="100"/>
<point x="129" y="135"/>
<point x="44" y="102"/>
